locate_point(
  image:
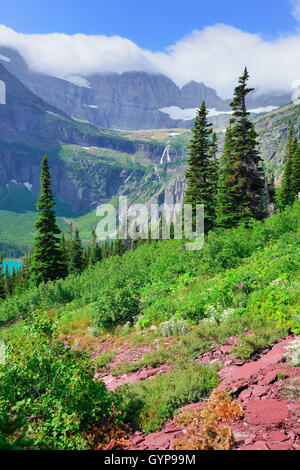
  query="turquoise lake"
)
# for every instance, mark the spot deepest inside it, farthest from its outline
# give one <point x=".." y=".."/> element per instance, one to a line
<point x="12" y="264"/>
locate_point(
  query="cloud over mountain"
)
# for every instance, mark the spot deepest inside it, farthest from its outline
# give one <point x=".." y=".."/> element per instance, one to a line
<point x="215" y="55"/>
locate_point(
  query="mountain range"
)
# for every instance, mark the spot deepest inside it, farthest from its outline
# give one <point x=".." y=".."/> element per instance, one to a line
<point x="131" y="100"/>
<point x="91" y="165"/>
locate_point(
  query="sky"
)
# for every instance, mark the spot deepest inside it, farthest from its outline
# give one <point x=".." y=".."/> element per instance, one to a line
<point x="152" y="24"/>
<point x="209" y="41"/>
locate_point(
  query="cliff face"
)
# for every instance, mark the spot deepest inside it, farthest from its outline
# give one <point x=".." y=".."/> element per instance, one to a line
<point x="273" y="129"/>
<point x="89" y="166"/>
<point x="131" y="100"/>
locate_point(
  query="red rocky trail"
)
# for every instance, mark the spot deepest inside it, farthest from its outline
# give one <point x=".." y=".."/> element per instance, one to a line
<point x="268" y="389"/>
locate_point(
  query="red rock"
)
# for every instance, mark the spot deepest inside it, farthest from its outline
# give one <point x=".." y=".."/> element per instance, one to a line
<point x="226" y="349"/>
<point x="259" y="390"/>
<point x="278" y="436"/>
<point x="268" y="379"/>
<point x="228" y="362"/>
<point x="172" y="429"/>
<point x="245" y="394"/>
<point x="280" y="446"/>
<point x="137" y="440"/>
<point x="205" y="360"/>
<point x="258" y="445"/>
<point x="266" y="412"/>
<point x="111" y="445"/>
<point x="275" y="437"/>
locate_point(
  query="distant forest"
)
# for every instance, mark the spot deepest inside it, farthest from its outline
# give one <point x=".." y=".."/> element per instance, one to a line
<point x="10" y="250"/>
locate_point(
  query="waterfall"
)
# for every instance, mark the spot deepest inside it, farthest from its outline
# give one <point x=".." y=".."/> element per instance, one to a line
<point x="166" y="153"/>
<point x="157" y="173"/>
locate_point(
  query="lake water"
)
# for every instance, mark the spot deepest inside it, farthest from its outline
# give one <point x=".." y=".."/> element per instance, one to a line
<point x="12" y="264"/>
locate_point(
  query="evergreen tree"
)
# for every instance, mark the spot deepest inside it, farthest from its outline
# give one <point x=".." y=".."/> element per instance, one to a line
<point x="200" y="172"/>
<point x="106" y="250"/>
<point x="94" y="251"/>
<point x="295" y="179"/>
<point x="47" y="263"/>
<point x="76" y="254"/>
<point x="2" y="284"/>
<point x="8" y="282"/>
<point x="272" y="190"/>
<point x="213" y="156"/>
<point x="245" y="179"/>
<point x="64" y="255"/>
<point x="25" y="266"/>
<point x="226" y="213"/>
<point x="119" y="247"/>
<point x="285" y="193"/>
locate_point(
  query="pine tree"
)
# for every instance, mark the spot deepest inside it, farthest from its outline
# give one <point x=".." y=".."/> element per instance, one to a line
<point x="200" y="172"/>
<point x="8" y="281"/>
<point x="25" y="266"/>
<point x="64" y="255"/>
<point x="76" y="254"/>
<point x="226" y="214"/>
<point x="246" y="183"/>
<point x="119" y="247"/>
<point x="285" y="194"/>
<point x="2" y="284"/>
<point x="106" y="250"/>
<point x="94" y="250"/>
<point x="213" y="156"/>
<point x="47" y="263"/>
<point x="272" y="190"/>
<point x="295" y="179"/>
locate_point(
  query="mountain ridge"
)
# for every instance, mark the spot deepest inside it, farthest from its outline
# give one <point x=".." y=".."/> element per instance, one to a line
<point x="128" y="101"/>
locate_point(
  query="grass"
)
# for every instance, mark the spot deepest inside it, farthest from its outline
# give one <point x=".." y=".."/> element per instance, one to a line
<point x="149" y="404"/>
<point x="249" y="345"/>
<point x="104" y="359"/>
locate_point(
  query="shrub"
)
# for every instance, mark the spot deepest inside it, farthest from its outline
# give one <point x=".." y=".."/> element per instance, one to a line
<point x="248" y="345"/>
<point x="149" y="404"/>
<point x="293" y="352"/>
<point x="116" y="307"/>
<point x="103" y="359"/>
<point x="203" y="429"/>
<point x="173" y="328"/>
<point x="52" y="385"/>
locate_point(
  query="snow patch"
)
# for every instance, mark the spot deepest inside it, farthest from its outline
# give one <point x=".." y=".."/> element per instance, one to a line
<point x="52" y="114"/>
<point x="188" y="114"/>
<point x="296" y="96"/>
<point x="79" y="81"/>
<point x="4" y="58"/>
<point x="266" y="109"/>
<point x="28" y="186"/>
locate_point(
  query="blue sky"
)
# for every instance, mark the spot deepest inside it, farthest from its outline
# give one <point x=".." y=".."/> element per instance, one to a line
<point x="152" y="24"/>
<point x="207" y="41"/>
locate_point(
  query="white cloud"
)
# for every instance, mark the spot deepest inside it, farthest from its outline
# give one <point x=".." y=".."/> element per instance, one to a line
<point x="296" y="9"/>
<point x="215" y="55"/>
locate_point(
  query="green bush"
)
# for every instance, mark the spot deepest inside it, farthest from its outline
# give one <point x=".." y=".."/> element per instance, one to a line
<point x="163" y="281"/>
<point x="52" y="386"/>
<point x="116" y="307"/>
<point x="104" y="359"/>
<point x="149" y="404"/>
